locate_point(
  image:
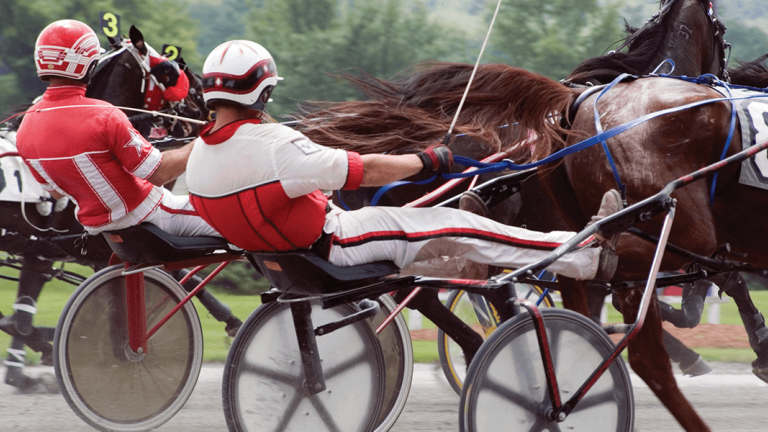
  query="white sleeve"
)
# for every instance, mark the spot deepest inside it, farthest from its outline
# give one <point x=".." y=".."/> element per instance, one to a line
<point x="304" y="166"/>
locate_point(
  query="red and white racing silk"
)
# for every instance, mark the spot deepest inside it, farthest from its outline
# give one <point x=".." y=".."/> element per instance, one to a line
<point x="258" y="184"/>
<point x="88" y="151"/>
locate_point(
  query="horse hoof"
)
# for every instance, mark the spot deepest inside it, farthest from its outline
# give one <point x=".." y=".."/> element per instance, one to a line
<point x="46" y="383"/>
<point x="233" y="325"/>
<point x="760" y="369"/>
<point x="699" y="367"/>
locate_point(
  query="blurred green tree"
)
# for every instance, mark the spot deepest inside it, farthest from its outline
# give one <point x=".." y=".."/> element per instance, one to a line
<point x="161" y="22"/>
<point x="552" y="36"/>
<point x="311" y="39"/>
<point x="748" y="43"/>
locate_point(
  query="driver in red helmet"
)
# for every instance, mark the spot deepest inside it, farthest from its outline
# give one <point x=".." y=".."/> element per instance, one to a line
<point x="259" y="184"/>
<point x="86" y="149"/>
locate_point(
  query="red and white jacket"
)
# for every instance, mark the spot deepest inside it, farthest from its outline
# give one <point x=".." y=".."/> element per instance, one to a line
<point x="87" y="150"/>
<point x="259" y="184"/>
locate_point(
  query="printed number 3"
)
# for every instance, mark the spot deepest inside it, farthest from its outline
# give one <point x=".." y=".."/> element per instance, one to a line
<point x="111" y="28"/>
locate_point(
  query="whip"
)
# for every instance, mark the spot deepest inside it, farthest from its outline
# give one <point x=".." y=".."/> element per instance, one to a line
<point x="472" y="76"/>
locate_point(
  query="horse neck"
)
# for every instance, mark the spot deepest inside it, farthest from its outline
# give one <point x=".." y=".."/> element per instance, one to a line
<point x="684" y="34"/>
<point x="120" y="84"/>
<point x="689" y="41"/>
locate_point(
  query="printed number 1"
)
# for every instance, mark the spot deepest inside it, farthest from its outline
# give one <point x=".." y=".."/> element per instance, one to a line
<point x="17" y="174"/>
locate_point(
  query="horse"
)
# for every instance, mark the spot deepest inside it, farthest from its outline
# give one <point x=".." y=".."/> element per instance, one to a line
<point x="686" y="31"/>
<point x="119" y="65"/>
<point x="433" y="95"/>
<point x="36" y="232"/>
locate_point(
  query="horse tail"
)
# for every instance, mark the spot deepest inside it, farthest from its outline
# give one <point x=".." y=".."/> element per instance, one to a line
<point x="415" y="109"/>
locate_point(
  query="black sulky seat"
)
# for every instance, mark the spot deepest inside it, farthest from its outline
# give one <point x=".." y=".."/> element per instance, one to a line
<point x="303" y="272"/>
<point x="148" y="244"/>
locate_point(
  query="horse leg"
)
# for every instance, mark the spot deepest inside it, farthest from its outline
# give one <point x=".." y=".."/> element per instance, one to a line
<point x="690" y="361"/>
<point x="734" y="285"/>
<point x="218" y="310"/>
<point x="574" y="295"/>
<point x="31" y="280"/>
<point x="656" y="369"/>
<point x="430" y="306"/>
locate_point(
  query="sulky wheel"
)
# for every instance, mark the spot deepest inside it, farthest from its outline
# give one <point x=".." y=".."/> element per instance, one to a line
<point x="103" y="380"/>
<point x="451" y="355"/>
<point x="396" y="344"/>
<point x="263" y="388"/>
<point x="506" y="387"/>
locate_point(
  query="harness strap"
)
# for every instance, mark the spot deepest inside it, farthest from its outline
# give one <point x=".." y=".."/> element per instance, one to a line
<point x="507" y="164"/>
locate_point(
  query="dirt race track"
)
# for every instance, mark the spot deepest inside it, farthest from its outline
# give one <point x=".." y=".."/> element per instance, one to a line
<point x="730" y="399"/>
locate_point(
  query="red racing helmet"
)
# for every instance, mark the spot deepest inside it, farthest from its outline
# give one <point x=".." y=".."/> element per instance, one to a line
<point x="66" y="48"/>
<point x="239" y="71"/>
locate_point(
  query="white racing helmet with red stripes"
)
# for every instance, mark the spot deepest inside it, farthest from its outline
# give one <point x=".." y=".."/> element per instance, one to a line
<point x="66" y="48"/>
<point x="239" y="71"/>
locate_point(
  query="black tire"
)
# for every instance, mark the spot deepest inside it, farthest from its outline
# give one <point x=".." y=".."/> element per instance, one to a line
<point x="506" y="385"/>
<point x="451" y="355"/>
<point x="263" y="387"/>
<point x="106" y="385"/>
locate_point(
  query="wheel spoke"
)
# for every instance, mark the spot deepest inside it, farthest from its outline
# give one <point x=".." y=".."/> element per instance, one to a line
<point x="520" y="399"/>
<point x="324" y="414"/>
<point x="346" y="365"/>
<point x="293" y="405"/>
<point x="272" y="374"/>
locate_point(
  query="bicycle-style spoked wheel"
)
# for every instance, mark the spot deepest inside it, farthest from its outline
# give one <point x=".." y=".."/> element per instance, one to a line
<point x="264" y="385"/>
<point x="506" y="384"/>
<point x="451" y="355"/>
<point x="103" y="380"/>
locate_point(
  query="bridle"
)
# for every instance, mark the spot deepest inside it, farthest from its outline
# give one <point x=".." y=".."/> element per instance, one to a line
<point x="717" y="28"/>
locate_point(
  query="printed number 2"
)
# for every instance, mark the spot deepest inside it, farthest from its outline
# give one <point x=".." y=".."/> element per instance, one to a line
<point x="110" y="24"/>
<point x="171" y="51"/>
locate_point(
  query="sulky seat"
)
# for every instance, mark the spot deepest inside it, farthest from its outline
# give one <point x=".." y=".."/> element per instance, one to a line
<point x="303" y="272"/>
<point x="148" y="244"/>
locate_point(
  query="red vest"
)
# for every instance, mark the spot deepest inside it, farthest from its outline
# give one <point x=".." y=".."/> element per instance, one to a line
<point x="258" y="185"/>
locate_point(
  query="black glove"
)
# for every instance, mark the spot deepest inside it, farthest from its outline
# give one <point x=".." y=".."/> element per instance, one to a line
<point x="167" y="73"/>
<point x="436" y="159"/>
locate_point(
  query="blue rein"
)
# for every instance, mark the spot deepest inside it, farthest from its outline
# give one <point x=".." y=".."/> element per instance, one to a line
<point x="601" y="137"/>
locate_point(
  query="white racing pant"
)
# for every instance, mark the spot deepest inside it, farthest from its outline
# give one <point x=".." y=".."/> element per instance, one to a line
<point x="405" y="236"/>
<point x="175" y="215"/>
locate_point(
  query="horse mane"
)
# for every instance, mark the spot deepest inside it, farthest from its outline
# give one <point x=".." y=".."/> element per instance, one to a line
<point x="606" y="68"/>
<point x="416" y="108"/>
<point x="753" y="73"/>
<point x="644" y="44"/>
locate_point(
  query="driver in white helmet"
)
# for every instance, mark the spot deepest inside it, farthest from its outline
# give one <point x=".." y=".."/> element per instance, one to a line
<point x="259" y="183"/>
<point x="86" y="149"/>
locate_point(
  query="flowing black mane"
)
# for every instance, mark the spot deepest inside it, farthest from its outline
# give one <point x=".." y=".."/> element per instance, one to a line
<point x="753" y="73"/>
<point x="645" y="45"/>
